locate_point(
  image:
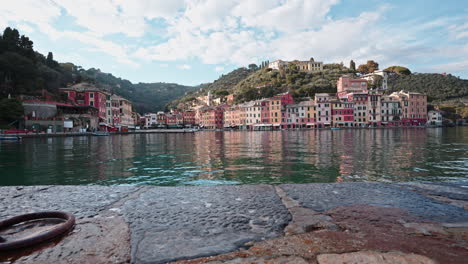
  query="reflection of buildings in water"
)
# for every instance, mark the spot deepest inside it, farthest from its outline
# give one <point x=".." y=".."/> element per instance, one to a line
<point x="346" y="157"/>
<point x="113" y="155"/>
<point x="389" y="151"/>
<point x="210" y="153"/>
<point x="324" y="148"/>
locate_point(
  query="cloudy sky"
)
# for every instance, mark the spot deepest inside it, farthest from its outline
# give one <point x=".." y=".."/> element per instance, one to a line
<point x="195" y="41"/>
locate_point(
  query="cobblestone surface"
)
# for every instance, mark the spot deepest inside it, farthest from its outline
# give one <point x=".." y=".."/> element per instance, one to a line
<point x="187" y="222"/>
<point x="322" y="197"/>
<point x="242" y="224"/>
<point x="82" y="201"/>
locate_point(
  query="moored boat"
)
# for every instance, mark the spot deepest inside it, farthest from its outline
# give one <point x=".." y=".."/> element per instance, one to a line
<point x="101" y="133"/>
<point x="10" y="138"/>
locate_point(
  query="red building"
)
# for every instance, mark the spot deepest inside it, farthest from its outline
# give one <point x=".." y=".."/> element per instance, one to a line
<point x="189" y="118"/>
<point x="171" y="120"/>
<point x="265" y="111"/>
<point x="85" y="94"/>
<point x="342" y="113"/>
<point x="212" y="117"/>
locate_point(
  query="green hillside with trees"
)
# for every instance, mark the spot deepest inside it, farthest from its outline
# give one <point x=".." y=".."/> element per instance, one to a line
<point x="437" y="87"/>
<point x="25" y="72"/>
<point x="223" y="86"/>
<point x="267" y="82"/>
<point x="260" y="82"/>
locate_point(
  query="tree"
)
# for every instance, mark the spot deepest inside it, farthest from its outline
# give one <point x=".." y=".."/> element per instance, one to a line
<point x="352" y="65"/>
<point x="253" y="67"/>
<point x="50" y="59"/>
<point x="363" y="69"/>
<point x="221" y="93"/>
<point x="369" y="67"/>
<point x="11" y="39"/>
<point x="399" y="70"/>
<point x="376" y="82"/>
<point x="10" y="110"/>
<point x="372" y="66"/>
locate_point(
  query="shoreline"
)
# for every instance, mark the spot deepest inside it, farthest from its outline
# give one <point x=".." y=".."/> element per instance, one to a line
<point x="169" y="131"/>
<point x="288" y="223"/>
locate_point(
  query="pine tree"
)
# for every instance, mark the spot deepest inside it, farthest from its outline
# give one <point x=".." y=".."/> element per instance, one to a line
<point x="352" y="65"/>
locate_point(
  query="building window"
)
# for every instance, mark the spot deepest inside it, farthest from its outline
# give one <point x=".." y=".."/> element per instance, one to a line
<point x="91" y="103"/>
<point x="91" y="95"/>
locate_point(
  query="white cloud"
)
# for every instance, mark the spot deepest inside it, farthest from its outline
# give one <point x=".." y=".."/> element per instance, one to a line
<point x="238" y="32"/>
<point x="184" y="67"/>
<point x="456" y="67"/>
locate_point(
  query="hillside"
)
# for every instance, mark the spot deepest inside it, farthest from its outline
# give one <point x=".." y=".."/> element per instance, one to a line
<point x="146" y="97"/>
<point x="250" y="85"/>
<point x="26" y="72"/>
<point x="267" y="82"/>
<point x="226" y="82"/>
<point x="437" y="87"/>
<point x="255" y="83"/>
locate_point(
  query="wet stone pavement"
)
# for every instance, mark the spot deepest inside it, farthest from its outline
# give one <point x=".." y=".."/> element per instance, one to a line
<point x="305" y="223"/>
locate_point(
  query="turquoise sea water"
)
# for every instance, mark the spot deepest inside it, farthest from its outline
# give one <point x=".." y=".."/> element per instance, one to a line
<point x="234" y="157"/>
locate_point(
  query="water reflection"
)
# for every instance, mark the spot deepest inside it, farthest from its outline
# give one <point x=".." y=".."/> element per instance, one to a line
<point x="235" y="157"/>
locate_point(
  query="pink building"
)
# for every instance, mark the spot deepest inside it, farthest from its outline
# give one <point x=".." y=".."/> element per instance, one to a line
<point x="348" y="85"/>
<point x="212" y="117"/>
<point x="360" y="107"/>
<point x="265" y="111"/>
<point x="189" y="118"/>
<point x="323" y="109"/>
<point x="414" y="107"/>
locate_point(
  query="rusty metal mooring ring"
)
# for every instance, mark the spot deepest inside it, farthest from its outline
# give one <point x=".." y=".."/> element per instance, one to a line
<point x="42" y="237"/>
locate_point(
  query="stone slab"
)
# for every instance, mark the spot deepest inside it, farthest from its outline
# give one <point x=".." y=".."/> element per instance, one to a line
<point x="175" y="223"/>
<point x="82" y="201"/>
<point x="322" y="197"/>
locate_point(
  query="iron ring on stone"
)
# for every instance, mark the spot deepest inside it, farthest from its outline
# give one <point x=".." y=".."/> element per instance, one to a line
<point x="42" y="237"/>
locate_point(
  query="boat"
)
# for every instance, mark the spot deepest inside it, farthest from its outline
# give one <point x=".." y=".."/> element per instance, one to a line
<point x="335" y="128"/>
<point x="101" y="133"/>
<point x="10" y="138"/>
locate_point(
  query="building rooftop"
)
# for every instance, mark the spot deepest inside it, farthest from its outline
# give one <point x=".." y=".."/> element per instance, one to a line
<point x="84" y="87"/>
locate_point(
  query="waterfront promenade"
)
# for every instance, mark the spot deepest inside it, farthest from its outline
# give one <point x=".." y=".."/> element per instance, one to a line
<point x="79" y="134"/>
<point x="303" y="223"/>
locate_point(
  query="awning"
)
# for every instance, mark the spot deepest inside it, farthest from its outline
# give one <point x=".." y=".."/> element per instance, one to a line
<point x="104" y="124"/>
<point x="310" y="124"/>
<point x="276" y="125"/>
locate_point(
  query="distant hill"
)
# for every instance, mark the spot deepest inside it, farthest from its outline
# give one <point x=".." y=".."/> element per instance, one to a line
<point x="250" y="85"/>
<point x="437" y="87"/>
<point x="146" y="97"/>
<point x="268" y="82"/>
<point x="24" y="71"/>
<point x="254" y="83"/>
<point x="225" y="82"/>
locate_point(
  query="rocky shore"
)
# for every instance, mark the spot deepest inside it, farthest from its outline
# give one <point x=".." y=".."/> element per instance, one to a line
<point x="305" y="223"/>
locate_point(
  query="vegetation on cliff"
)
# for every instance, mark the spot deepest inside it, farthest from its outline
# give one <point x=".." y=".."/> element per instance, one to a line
<point x="24" y="71"/>
<point x="399" y="70"/>
<point x="219" y="88"/>
<point x="267" y="82"/>
<point x="437" y="87"/>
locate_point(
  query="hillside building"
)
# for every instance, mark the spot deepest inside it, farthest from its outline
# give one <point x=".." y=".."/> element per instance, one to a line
<point x="305" y="66"/>
<point x="371" y="77"/>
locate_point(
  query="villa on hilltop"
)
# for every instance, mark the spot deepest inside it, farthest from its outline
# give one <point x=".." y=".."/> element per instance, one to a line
<point x="305" y="66"/>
